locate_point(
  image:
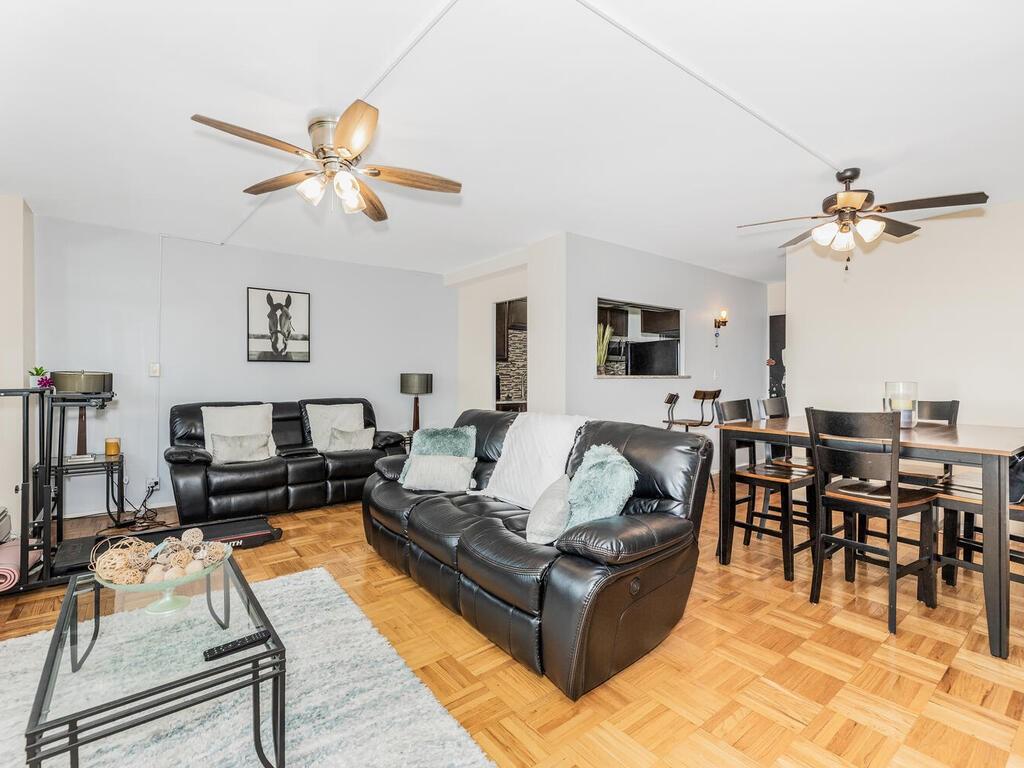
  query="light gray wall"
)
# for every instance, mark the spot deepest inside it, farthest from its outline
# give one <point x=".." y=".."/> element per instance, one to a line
<point x="600" y="269"/>
<point x="115" y="300"/>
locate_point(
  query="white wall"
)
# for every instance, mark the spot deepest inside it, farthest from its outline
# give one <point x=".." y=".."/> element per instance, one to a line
<point x="17" y="343"/>
<point x="941" y="308"/>
<point x="776" y="298"/>
<point x="116" y="300"/>
<point x="475" y="334"/>
<point x="547" y="324"/>
<point x="597" y="269"/>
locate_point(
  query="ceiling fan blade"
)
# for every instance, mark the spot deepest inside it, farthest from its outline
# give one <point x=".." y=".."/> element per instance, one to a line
<point x="791" y="218"/>
<point x="355" y="129"/>
<point x="894" y="227"/>
<point x="280" y="182"/>
<point x="970" y="198"/>
<point x="259" y="138"/>
<point x="414" y="179"/>
<point x="374" y="207"/>
<point x="798" y="239"/>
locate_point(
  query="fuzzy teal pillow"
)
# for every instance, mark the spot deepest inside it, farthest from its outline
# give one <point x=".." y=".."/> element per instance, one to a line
<point x="601" y="486"/>
<point x="442" y="441"/>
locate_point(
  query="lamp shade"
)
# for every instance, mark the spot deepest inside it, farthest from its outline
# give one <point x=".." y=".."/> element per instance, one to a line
<point x="417" y="383"/>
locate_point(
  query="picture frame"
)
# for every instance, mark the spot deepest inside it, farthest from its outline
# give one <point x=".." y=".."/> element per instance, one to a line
<point x="277" y="326"/>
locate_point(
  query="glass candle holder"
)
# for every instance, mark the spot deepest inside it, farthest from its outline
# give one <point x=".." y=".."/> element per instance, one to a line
<point x="901" y="396"/>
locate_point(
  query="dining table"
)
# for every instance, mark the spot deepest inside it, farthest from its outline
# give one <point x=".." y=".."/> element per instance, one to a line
<point x="989" y="448"/>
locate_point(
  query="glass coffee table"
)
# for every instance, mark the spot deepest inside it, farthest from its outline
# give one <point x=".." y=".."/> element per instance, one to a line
<point x="112" y="666"/>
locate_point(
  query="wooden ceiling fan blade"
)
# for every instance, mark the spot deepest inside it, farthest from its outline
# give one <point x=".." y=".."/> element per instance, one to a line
<point x="355" y="128"/>
<point x="969" y="198"/>
<point x="280" y="182"/>
<point x="894" y="227"/>
<point x="414" y="179"/>
<point x="259" y="138"/>
<point x="798" y="239"/>
<point x="374" y="207"/>
<point x="791" y="218"/>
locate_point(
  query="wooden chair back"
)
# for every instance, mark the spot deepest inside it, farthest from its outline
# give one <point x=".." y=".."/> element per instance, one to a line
<point x="775" y="407"/>
<point x="835" y="452"/>
<point x="733" y="410"/>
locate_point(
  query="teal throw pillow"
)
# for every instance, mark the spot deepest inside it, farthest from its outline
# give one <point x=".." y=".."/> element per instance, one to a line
<point x="601" y="486"/>
<point x="442" y="441"/>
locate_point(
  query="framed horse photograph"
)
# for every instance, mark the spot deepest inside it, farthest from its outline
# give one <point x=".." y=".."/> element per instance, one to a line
<point x="278" y="326"/>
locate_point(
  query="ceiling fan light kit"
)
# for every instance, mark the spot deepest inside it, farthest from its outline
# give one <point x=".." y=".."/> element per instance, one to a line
<point x="338" y="145"/>
<point x="853" y="212"/>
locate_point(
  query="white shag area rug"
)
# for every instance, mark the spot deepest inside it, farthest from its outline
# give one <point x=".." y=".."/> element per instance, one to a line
<point x="351" y="700"/>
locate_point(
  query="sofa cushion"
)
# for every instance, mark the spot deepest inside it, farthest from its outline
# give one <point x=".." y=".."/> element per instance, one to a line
<point x="342" y="465"/>
<point x="505" y="564"/>
<point x="248" y="476"/>
<point x="436" y="525"/>
<point x="305" y="469"/>
<point x="390" y="505"/>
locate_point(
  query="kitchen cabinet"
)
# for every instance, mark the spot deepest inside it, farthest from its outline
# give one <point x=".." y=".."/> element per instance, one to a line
<point x="617" y="318"/>
<point x="664" y="322"/>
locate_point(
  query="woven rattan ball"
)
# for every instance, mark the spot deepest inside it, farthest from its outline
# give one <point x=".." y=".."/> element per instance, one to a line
<point x="191" y="537"/>
<point x="215" y="551"/>
<point x="180" y="559"/>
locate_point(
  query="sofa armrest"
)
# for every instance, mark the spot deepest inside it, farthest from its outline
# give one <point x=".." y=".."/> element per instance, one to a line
<point x="390" y="467"/>
<point x="296" y="450"/>
<point x="385" y="439"/>
<point x="187" y="454"/>
<point x="625" y="538"/>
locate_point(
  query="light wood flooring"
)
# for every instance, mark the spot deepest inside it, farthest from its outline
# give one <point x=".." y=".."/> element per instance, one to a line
<point x="752" y="675"/>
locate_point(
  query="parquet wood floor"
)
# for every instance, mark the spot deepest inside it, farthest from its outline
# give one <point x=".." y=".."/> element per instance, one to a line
<point x="753" y="675"/>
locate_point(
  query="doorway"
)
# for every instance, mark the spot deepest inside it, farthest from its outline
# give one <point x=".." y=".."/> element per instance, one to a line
<point x="510" y="335"/>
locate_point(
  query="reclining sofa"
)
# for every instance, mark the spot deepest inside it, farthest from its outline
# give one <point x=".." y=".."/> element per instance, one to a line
<point x="578" y="611"/>
<point x="299" y="477"/>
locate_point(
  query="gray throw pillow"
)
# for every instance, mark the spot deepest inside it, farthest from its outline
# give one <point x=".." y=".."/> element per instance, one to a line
<point x="550" y="515"/>
<point x="601" y="486"/>
<point x="442" y="441"/>
<point x="228" y="449"/>
<point x="351" y="439"/>
<point x="447" y="474"/>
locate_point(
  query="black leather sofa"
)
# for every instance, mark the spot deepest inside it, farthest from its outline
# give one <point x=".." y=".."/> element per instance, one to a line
<point x="299" y="477"/>
<point x="583" y="609"/>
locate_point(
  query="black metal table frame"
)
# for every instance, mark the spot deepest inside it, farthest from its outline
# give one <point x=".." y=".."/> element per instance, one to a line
<point x="65" y="735"/>
<point x="995" y="511"/>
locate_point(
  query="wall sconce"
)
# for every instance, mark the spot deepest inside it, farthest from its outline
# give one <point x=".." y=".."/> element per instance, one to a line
<point x="720" y="322"/>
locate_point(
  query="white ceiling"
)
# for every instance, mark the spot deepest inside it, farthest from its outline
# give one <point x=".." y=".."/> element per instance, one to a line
<point x="553" y="118"/>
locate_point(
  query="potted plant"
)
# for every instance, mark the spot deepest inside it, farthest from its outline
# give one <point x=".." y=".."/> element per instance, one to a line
<point x="38" y="377"/>
<point x="604" y="337"/>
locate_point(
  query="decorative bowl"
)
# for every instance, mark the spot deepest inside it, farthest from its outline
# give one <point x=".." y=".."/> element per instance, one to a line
<point x="170" y="602"/>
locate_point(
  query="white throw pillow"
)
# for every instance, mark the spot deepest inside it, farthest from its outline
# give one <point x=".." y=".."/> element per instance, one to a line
<point x="228" y="449"/>
<point x="536" y="448"/>
<point x="324" y="418"/>
<point x="447" y="474"/>
<point x="238" y="421"/>
<point x="351" y="439"/>
<point x="550" y="515"/>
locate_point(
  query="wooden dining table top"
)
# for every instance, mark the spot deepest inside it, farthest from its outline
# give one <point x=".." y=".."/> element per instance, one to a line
<point x="962" y="438"/>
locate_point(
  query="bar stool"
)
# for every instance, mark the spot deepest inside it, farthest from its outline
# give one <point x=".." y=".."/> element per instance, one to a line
<point x="778" y="408"/>
<point x="773" y="478"/>
<point x="868" y="484"/>
<point x="701" y="395"/>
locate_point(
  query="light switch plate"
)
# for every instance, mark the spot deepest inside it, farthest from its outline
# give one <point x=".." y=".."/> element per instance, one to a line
<point x="154" y="369"/>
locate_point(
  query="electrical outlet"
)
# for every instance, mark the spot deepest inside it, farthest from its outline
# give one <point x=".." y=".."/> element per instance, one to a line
<point x="153" y="482"/>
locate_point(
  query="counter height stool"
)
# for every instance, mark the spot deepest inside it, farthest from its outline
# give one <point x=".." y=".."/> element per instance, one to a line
<point x="703" y="396"/>
<point x="772" y="478"/>
<point x="858" y="478"/>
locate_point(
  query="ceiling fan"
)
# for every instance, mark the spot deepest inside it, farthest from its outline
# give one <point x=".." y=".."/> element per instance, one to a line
<point x="854" y="210"/>
<point x="338" y="145"/>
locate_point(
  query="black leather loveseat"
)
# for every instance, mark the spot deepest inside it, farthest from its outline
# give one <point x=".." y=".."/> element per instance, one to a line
<point x="297" y="478"/>
<point x="581" y="610"/>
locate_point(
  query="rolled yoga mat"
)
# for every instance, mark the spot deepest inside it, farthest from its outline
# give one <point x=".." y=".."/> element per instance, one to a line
<point x="10" y="563"/>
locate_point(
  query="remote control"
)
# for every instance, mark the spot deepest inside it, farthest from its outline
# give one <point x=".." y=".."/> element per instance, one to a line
<point x="256" y="638"/>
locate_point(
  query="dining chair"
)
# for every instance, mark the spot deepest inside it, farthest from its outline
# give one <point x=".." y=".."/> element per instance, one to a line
<point x="772" y="478"/>
<point x="855" y="478"/>
<point x="704" y="396"/>
<point x="778" y="408"/>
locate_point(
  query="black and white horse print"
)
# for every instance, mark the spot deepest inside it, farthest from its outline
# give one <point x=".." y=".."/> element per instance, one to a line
<point x="278" y="326"/>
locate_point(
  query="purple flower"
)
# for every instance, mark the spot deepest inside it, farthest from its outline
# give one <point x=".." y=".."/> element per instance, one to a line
<point x="44" y="382"/>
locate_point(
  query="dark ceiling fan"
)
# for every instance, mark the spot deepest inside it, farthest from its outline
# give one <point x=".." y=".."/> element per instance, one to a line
<point x="854" y="210"/>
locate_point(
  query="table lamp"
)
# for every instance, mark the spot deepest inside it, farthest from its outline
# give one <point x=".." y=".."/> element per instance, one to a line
<point x="416" y="384"/>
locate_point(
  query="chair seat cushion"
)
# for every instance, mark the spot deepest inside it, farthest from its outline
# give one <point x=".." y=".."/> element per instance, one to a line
<point x="246" y="476"/>
<point x="342" y="465"/>
<point x="505" y="564"/>
<point x="877" y="494"/>
<point x="390" y="504"/>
